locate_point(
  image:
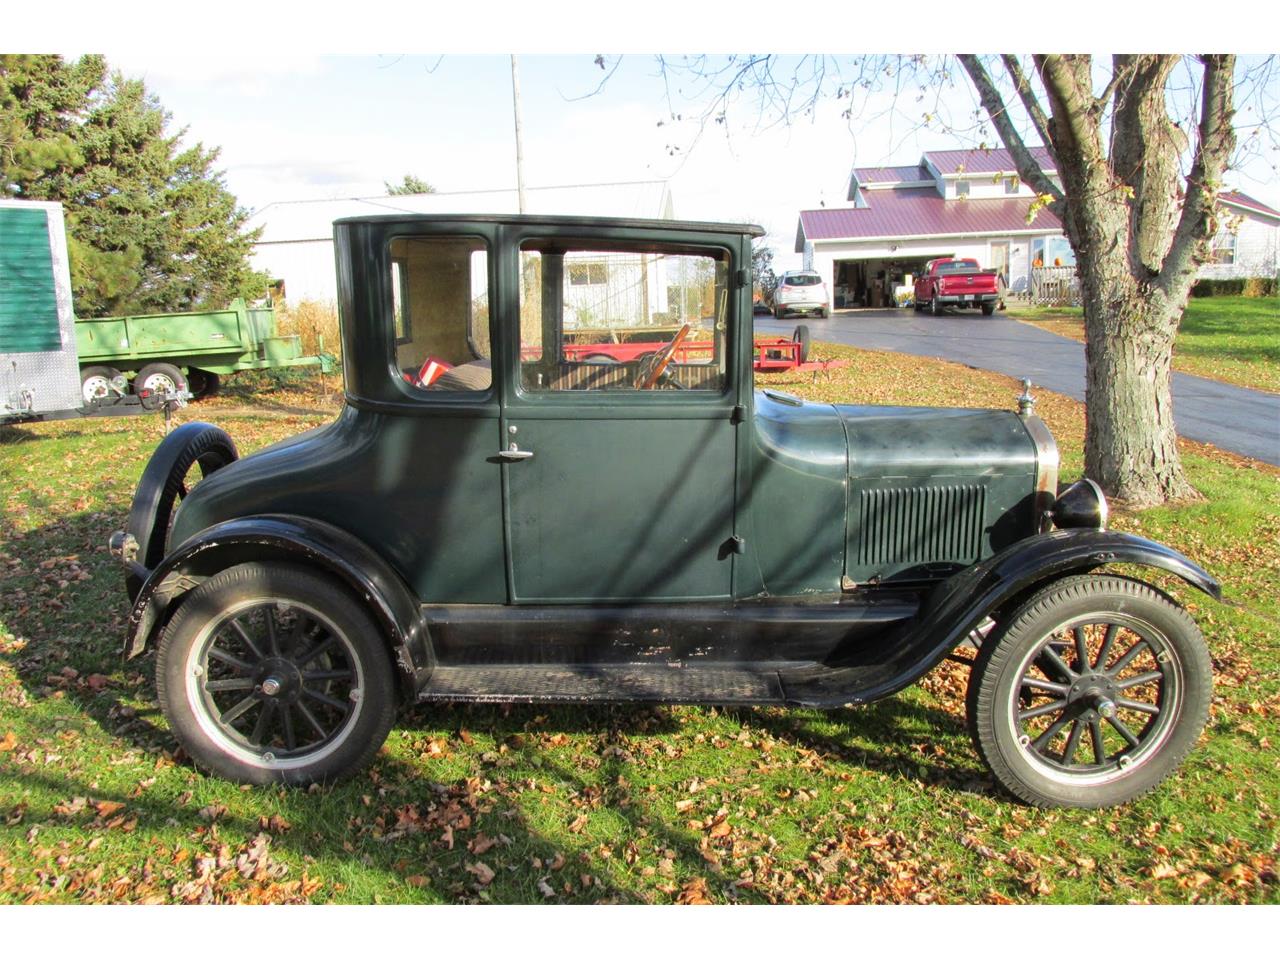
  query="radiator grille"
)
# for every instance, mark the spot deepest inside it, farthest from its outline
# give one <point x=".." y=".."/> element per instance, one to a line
<point x="921" y="524"/>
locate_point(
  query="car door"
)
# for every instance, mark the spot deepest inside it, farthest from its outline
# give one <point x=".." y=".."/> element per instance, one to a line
<point x="620" y="452"/>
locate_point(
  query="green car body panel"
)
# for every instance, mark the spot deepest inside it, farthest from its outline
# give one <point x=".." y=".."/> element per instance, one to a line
<point x="727" y="526"/>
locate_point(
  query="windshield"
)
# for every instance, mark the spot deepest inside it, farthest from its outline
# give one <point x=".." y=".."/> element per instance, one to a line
<point x="801" y="279"/>
<point x="959" y="266"/>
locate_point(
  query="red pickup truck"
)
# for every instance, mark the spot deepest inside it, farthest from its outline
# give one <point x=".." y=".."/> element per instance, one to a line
<point x="949" y="282"/>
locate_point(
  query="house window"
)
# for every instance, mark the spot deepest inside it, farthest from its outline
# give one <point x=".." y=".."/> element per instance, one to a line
<point x="1224" y="248"/>
<point x="1011" y="185"/>
<point x="588" y="274"/>
<point x="962" y="188"/>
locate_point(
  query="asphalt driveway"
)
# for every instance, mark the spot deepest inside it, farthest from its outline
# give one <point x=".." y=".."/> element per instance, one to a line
<point x="1233" y="418"/>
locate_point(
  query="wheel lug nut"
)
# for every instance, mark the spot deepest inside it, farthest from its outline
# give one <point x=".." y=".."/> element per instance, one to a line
<point x="271" y="686"/>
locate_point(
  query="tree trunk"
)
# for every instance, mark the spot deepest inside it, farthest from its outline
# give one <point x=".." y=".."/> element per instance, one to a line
<point x="1131" y="447"/>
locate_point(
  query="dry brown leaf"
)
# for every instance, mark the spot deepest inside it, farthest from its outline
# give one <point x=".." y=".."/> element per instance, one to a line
<point x="578" y="824"/>
<point x="8" y="742"/>
<point x="107" y="808"/>
<point x="694" y="892"/>
<point x="482" y="872"/>
<point x="481" y="843"/>
<point x="417" y="880"/>
<point x="720" y="829"/>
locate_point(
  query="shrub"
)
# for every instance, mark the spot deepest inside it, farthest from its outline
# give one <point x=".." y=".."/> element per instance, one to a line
<point x="315" y="321"/>
<point x="1236" y="287"/>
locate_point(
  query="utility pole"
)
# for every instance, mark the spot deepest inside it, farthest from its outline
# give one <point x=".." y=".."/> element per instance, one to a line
<point x="515" y="97"/>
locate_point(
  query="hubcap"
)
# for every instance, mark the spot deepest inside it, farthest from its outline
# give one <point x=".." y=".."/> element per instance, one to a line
<point x="1094" y="698"/>
<point x="275" y="683"/>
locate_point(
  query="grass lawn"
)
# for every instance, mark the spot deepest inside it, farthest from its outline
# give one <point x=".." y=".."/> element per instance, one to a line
<point x="886" y="803"/>
<point x="1233" y="339"/>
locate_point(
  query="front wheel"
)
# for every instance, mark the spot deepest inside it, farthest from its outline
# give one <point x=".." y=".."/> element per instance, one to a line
<point x="1090" y="694"/>
<point x="271" y="673"/>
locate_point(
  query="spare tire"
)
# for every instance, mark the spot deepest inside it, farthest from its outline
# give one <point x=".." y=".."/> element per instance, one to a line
<point x="163" y="483"/>
<point x="801" y="336"/>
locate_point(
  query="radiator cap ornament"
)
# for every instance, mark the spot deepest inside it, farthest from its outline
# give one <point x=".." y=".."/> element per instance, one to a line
<point x="1026" y="402"/>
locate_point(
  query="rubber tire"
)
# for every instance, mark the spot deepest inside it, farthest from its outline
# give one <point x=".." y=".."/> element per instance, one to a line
<point x="801" y="336"/>
<point x="176" y="376"/>
<point x="988" y="309"/>
<point x="991" y="679"/>
<point x="148" y="522"/>
<point x="824" y="313"/>
<point x="95" y="371"/>
<point x="935" y="308"/>
<point x="202" y="383"/>
<point x="285" y="581"/>
<point x="779" y="313"/>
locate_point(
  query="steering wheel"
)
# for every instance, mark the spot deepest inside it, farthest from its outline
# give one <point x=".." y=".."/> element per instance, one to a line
<point x="652" y="370"/>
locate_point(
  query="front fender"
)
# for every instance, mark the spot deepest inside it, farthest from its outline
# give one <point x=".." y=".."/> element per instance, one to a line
<point x="962" y="602"/>
<point x="295" y="539"/>
<point x="958" y="605"/>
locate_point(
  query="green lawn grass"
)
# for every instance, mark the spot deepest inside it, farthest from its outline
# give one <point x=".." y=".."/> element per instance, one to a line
<point x="886" y="803"/>
<point x="1233" y="339"/>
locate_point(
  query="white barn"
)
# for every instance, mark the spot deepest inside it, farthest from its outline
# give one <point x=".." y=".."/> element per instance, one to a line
<point x="296" y="245"/>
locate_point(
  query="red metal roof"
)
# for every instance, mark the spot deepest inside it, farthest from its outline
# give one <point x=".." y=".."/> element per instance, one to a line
<point x="912" y="174"/>
<point x="913" y="213"/>
<point x="1237" y="199"/>
<point x="977" y="160"/>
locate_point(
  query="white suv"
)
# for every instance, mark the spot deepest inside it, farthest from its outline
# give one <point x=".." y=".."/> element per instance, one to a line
<point x="801" y="291"/>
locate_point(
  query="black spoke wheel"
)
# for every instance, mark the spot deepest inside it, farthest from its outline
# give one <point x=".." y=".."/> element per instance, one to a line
<point x="273" y="673"/>
<point x="1090" y="694"/>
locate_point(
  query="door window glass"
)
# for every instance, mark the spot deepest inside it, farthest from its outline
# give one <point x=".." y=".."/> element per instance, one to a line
<point x="622" y="318"/>
<point x="440" y="313"/>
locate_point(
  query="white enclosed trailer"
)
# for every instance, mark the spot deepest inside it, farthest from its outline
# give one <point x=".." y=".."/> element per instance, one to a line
<point x="39" y="369"/>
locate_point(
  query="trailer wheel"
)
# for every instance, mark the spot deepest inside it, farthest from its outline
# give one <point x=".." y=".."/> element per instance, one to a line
<point x="801" y="336"/>
<point x="96" y="384"/>
<point x="160" y="378"/>
<point x="202" y="383"/>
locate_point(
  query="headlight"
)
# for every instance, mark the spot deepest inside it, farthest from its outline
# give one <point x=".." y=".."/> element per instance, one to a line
<point x="1081" y="505"/>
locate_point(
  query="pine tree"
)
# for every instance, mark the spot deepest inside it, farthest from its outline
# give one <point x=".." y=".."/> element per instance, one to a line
<point x="151" y="225"/>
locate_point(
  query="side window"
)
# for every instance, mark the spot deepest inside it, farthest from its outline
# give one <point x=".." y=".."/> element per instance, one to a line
<point x="622" y="318"/>
<point x="440" y="312"/>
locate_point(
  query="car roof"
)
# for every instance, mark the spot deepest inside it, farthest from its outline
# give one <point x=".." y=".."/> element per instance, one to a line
<point x="687" y="226"/>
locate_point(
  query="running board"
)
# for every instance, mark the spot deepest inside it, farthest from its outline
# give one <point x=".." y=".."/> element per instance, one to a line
<point x="604" y="683"/>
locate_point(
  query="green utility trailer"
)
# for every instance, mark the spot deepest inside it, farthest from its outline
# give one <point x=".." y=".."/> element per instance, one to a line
<point x="184" y="351"/>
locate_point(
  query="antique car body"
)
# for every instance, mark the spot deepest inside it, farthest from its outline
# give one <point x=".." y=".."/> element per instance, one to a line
<point x="950" y="282"/>
<point x="558" y="530"/>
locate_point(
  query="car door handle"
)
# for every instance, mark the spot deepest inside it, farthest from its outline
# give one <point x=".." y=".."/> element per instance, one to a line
<point x="513" y="455"/>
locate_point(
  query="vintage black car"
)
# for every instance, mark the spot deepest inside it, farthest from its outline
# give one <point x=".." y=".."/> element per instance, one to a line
<point x="495" y="517"/>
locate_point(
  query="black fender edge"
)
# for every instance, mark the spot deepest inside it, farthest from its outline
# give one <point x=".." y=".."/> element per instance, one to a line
<point x="957" y="606"/>
<point x="295" y="539"/>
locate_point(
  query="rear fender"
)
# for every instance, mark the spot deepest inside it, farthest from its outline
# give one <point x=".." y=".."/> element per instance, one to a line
<point x="292" y="539"/>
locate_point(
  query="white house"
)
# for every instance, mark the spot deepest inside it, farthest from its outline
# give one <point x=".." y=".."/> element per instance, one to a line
<point x="1248" y="243"/>
<point x="296" y="245"/>
<point x="972" y="203"/>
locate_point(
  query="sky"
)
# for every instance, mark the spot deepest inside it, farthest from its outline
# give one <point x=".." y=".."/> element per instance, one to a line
<point x="293" y="123"/>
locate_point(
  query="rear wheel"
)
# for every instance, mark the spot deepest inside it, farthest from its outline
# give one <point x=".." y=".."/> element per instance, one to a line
<point x="1090" y="694"/>
<point x="160" y="378"/>
<point x="98" y="384"/>
<point x="801" y="336"/>
<point x="271" y="673"/>
<point x="202" y="383"/>
<point x="988" y="309"/>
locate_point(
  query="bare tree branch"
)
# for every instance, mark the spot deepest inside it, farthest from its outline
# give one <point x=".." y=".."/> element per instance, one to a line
<point x="1027" y="166"/>
<point x="1028" y="97"/>
<point x="1217" y="139"/>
